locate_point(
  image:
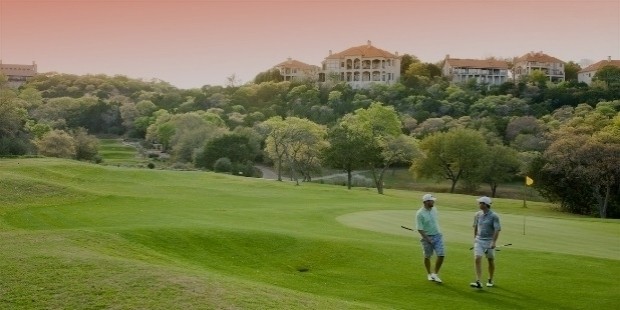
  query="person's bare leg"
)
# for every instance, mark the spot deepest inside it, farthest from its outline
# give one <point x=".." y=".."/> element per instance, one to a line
<point x="491" y="268"/>
<point x="427" y="264"/>
<point x="478" y="267"/>
<point x="438" y="264"/>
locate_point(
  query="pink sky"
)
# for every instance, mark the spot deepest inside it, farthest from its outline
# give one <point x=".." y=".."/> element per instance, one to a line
<point x="199" y="42"/>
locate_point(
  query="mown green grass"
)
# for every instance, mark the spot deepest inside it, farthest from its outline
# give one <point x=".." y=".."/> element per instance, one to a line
<point x="114" y="152"/>
<point x="82" y="236"/>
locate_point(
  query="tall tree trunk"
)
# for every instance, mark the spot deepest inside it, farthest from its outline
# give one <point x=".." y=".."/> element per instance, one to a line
<point x="600" y="200"/>
<point x="280" y="169"/>
<point x="493" y="189"/>
<point x="605" y="201"/>
<point x="349" y="177"/>
<point x="378" y="180"/>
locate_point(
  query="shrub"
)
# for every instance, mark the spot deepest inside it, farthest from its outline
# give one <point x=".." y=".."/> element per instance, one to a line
<point x="222" y="164"/>
<point x="57" y="143"/>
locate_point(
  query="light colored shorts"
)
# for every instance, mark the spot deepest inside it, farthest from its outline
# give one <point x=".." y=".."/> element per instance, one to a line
<point x="436" y="246"/>
<point x="483" y="247"/>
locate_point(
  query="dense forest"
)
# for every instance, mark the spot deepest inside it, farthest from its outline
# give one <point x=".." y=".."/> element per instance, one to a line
<point x="566" y="136"/>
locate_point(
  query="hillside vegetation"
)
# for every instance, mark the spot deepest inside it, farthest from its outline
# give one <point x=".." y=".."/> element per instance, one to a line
<point x="563" y="135"/>
<point x="81" y="236"/>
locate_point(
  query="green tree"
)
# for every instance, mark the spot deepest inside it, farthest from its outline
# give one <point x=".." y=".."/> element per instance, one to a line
<point x="86" y="146"/>
<point x="580" y="167"/>
<point x="14" y="139"/>
<point x="301" y="99"/>
<point x="451" y="155"/>
<point x="538" y="78"/>
<point x="275" y="132"/>
<point x="235" y="147"/>
<point x="418" y="69"/>
<point x="594" y="164"/>
<point x="293" y="142"/>
<point x="57" y="143"/>
<point x="609" y="75"/>
<point x="500" y="164"/>
<point x="348" y="150"/>
<point x="405" y="61"/>
<point x="381" y="126"/>
<point x="526" y="133"/>
<point x="304" y="141"/>
<point x="182" y="134"/>
<point x="272" y="75"/>
<point x="32" y="97"/>
<point x="401" y="149"/>
<point x="502" y="105"/>
<point x="571" y="70"/>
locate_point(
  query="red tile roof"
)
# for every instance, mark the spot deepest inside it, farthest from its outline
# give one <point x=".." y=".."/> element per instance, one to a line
<point x="538" y="57"/>
<point x="365" y="51"/>
<point x="292" y="63"/>
<point x="477" y="63"/>
<point x="600" y="64"/>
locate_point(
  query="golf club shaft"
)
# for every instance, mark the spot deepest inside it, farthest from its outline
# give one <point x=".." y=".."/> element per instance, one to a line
<point x="499" y="246"/>
<point x="405" y="227"/>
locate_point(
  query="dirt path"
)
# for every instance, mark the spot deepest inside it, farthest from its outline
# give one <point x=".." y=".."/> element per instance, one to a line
<point x="268" y="173"/>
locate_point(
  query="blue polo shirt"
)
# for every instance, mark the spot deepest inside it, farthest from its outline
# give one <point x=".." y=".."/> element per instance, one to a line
<point x="487" y="224"/>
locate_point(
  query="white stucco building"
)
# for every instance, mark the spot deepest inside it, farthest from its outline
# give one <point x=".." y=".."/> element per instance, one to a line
<point x="18" y="74"/>
<point x="295" y="70"/>
<point x="361" y="66"/>
<point x="551" y="66"/>
<point x="586" y="74"/>
<point x="487" y="71"/>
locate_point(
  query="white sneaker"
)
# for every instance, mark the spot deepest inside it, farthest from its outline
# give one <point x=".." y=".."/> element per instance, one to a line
<point x="429" y="277"/>
<point x="435" y="278"/>
<point x="490" y="283"/>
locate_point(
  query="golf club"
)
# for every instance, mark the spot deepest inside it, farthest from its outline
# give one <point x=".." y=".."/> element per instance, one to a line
<point x="496" y="247"/>
<point x="405" y="227"/>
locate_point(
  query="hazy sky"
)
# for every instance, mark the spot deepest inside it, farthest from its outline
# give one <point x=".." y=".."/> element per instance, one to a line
<point x="199" y="42"/>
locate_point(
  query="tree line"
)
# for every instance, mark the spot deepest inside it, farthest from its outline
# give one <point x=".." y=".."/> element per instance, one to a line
<point x="564" y="135"/>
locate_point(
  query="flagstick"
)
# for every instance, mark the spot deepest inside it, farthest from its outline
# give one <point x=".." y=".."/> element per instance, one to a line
<point x="524" y="196"/>
<point x="528" y="183"/>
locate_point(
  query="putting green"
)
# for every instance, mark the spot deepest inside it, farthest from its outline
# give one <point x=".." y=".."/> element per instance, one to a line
<point x="565" y="236"/>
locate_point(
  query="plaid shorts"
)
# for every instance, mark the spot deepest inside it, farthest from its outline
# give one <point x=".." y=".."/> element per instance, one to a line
<point x="483" y="247"/>
<point x="436" y="246"/>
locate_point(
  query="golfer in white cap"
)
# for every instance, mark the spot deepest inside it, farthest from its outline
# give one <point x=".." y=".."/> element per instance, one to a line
<point x="486" y="232"/>
<point x="432" y="241"/>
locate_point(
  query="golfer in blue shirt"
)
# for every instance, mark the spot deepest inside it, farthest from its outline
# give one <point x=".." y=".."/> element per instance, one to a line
<point x="486" y="232"/>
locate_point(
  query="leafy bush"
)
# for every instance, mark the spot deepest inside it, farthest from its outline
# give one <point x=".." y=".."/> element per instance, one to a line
<point x="357" y="180"/>
<point x="222" y="164"/>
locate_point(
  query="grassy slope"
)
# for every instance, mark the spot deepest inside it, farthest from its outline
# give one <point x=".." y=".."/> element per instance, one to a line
<point x="114" y="152"/>
<point x="76" y="235"/>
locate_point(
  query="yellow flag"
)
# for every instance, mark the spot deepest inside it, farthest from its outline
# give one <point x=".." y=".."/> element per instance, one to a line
<point x="528" y="181"/>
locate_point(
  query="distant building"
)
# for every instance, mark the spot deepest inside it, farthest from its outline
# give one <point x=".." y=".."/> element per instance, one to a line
<point x="488" y="71"/>
<point x="586" y="74"/>
<point x="296" y="70"/>
<point x="18" y="74"/>
<point x="360" y="66"/>
<point x="551" y="66"/>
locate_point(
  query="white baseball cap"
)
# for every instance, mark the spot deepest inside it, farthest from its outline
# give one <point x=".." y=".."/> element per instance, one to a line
<point x="428" y="197"/>
<point x="486" y="200"/>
